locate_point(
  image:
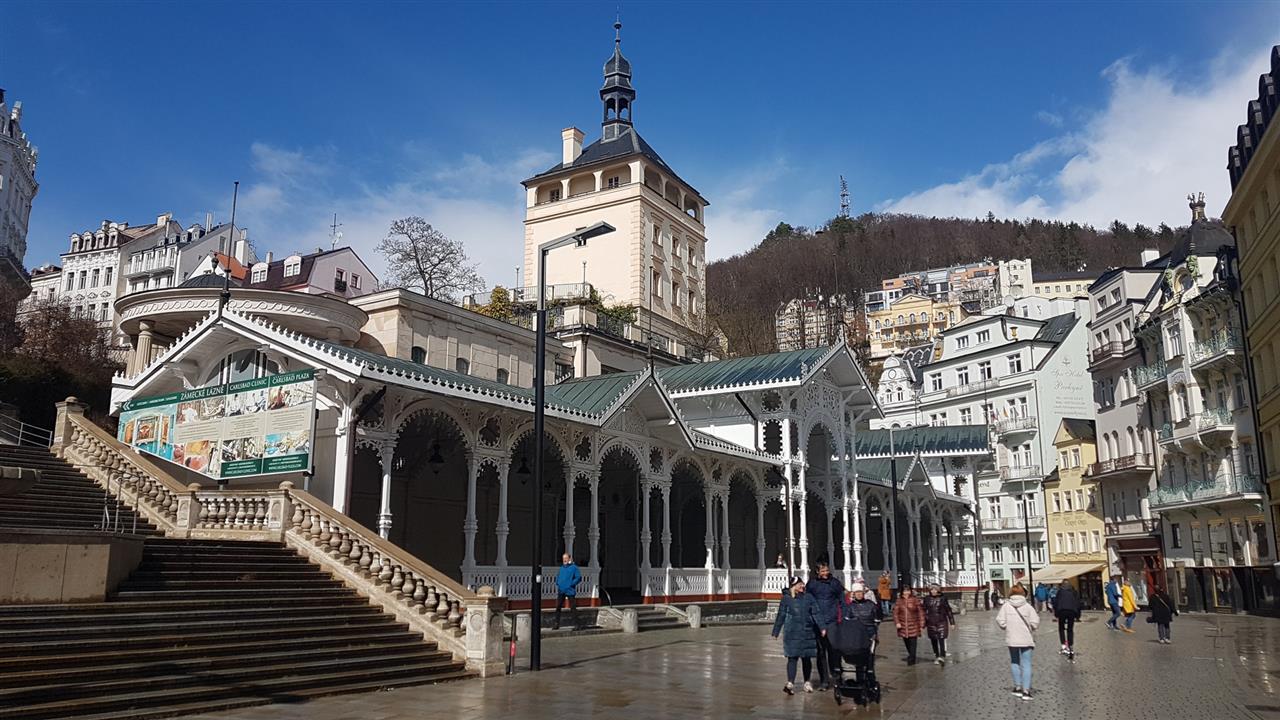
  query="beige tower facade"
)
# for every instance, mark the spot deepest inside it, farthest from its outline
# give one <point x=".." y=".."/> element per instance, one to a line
<point x="655" y="259"/>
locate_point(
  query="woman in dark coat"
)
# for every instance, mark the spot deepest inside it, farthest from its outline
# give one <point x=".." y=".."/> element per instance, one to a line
<point x="938" y="619"/>
<point x="798" y="621"/>
<point x="1162" y="612"/>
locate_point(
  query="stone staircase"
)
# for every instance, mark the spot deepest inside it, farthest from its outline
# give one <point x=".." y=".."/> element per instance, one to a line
<point x="201" y="625"/>
<point x="657" y="617"/>
<point x="63" y="499"/>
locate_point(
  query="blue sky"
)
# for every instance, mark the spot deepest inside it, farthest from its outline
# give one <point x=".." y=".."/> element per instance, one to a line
<point x="1085" y="111"/>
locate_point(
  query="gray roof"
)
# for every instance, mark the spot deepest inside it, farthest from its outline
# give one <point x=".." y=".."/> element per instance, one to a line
<point x="1080" y="428"/>
<point x="927" y="440"/>
<point x="744" y="371"/>
<point x="1056" y="328"/>
<point x="602" y="151"/>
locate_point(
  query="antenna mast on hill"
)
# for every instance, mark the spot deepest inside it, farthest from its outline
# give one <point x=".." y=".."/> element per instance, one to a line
<point x="844" y="198"/>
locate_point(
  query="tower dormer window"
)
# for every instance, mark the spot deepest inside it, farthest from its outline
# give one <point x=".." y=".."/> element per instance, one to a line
<point x="555" y="194"/>
<point x="259" y="273"/>
<point x="614" y="182"/>
<point x="292" y="266"/>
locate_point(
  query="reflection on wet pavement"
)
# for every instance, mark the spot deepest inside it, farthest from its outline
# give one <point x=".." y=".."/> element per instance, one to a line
<point x="1218" y="667"/>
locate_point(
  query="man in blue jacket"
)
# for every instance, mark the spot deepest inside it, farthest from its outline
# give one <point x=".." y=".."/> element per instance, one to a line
<point x="1113" y="601"/>
<point x="567" y="587"/>
<point x="828" y="595"/>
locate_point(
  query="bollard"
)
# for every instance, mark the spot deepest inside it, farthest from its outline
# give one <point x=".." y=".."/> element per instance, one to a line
<point x="630" y="621"/>
<point x="524" y="627"/>
<point x="695" y="616"/>
<point x="511" y="654"/>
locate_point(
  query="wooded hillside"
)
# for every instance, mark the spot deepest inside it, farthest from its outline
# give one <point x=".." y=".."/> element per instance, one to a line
<point x="852" y="255"/>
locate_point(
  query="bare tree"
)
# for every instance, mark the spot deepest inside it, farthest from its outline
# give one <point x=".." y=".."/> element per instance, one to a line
<point x="420" y="256"/>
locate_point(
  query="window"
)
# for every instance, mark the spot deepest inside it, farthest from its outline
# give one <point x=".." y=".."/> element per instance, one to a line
<point x="555" y="194"/>
<point x="84" y="275"/>
<point x="614" y="182"/>
<point x="1079" y="499"/>
<point x="1062" y="459"/>
<point x="1095" y="541"/>
<point x="693" y="300"/>
<point x="962" y="376"/>
<point x="984" y="370"/>
<point x="984" y="336"/>
<point x="71" y="279"/>
<point x="1071" y="542"/>
<point x="94" y="281"/>
<point x="1175" y="341"/>
<point x="1057" y="543"/>
<point x="105" y="310"/>
<point x="259" y="273"/>
<point x="997" y="553"/>
<point x="1057" y="502"/>
<point x="1261" y="545"/>
<point x="1075" y="457"/>
<point x="292" y="265"/>
<point x="503" y="376"/>
<point x="418" y="355"/>
<point x="962" y="342"/>
<point x="355" y="281"/>
<point x="966" y="416"/>
<point x="1015" y="364"/>
<point x="675" y="294"/>
<point x="107" y="276"/>
<point x="565" y="371"/>
<point x="1175" y="534"/>
<point x="340" y="275"/>
<point x="657" y="284"/>
<point x="935" y="381"/>
<point x="462" y="366"/>
<point x="1240" y="397"/>
<point x="1017" y="552"/>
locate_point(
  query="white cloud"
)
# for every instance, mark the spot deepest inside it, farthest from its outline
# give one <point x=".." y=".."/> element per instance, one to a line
<point x="1156" y="139"/>
<point x="740" y="216"/>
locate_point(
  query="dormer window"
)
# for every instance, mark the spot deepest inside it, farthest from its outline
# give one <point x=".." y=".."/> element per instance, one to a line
<point x="614" y="182"/>
<point x="555" y="194"/>
<point x="292" y="266"/>
<point x="259" y="273"/>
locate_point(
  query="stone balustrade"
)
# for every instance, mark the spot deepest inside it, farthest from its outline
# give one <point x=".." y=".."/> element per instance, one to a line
<point x="468" y="624"/>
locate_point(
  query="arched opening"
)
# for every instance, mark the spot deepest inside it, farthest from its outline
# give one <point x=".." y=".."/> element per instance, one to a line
<point x="520" y="486"/>
<point x="619" y="505"/>
<point x="743" y="522"/>
<point x="874" y="533"/>
<point x="688" y="516"/>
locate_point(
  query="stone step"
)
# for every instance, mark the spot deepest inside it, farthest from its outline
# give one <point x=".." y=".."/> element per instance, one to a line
<point x="668" y="624"/>
<point x="203" y="641"/>
<point x="197" y="585"/>
<point x="192" y="617"/>
<point x="284" y="595"/>
<point x="177" y="626"/>
<point x="106" y="667"/>
<point x="26" y="500"/>
<point x="221" y="695"/>
<point x="216" y="648"/>
<point x="151" y="575"/>
<point x="177" y="606"/>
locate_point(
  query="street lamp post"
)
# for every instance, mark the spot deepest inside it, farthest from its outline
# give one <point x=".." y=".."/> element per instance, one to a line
<point x="579" y="239"/>
<point x="1026" y="531"/>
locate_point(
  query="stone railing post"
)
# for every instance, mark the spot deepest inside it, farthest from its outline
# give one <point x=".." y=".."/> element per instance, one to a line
<point x="484" y="646"/>
<point x="188" y="511"/>
<point x="62" y="423"/>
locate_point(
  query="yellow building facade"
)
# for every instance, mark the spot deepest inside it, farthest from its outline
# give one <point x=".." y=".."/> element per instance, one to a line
<point x="909" y="321"/>
<point x="1073" y="512"/>
<point x="1253" y="215"/>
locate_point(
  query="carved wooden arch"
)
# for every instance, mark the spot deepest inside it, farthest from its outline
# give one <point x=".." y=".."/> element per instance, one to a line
<point x="526" y="429"/>
<point x="627" y="448"/>
<point x="687" y="458"/>
<point x="434" y="407"/>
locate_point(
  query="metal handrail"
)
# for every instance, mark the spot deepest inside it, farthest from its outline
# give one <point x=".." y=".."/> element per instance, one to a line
<point x="16" y="432"/>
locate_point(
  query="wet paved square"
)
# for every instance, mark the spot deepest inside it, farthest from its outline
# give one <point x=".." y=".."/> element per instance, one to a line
<point x="1218" y="666"/>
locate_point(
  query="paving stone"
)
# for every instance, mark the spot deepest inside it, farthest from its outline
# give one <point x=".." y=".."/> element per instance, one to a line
<point x="1219" y="666"/>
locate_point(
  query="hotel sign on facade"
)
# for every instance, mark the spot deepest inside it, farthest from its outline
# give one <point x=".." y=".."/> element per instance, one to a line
<point x="252" y="427"/>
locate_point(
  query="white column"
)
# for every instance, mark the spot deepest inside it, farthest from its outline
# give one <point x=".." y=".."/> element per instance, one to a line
<point x="666" y="526"/>
<point x="803" y="491"/>
<point x="386" y="455"/>
<point x="846" y="518"/>
<point x="709" y="537"/>
<point x="789" y="505"/>
<point x="724" y="530"/>
<point x="593" y="533"/>
<point x="859" y="526"/>
<point x="646" y="535"/>
<point x="886" y="530"/>
<point x="569" y="530"/>
<point x="470" y="525"/>
<point x="343" y="450"/>
<point x="502" y="528"/>
<point x="760" y="559"/>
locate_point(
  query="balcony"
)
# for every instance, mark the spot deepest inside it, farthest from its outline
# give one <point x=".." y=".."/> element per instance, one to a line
<point x="154" y="267"/>
<point x="1136" y="464"/>
<point x="1148" y="375"/>
<point x="1024" y="472"/>
<point x="1165" y="433"/>
<point x="1140" y="526"/>
<point x="973" y="387"/>
<point x="1224" y="346"/>
<point x="996" y="524"/>
<point x="1112" y="350"/>
<point x="1215" y="421"/>
<point x="1223" y="487"/>
<point x="554" y="293"/>
<point x="1016" y="425"/>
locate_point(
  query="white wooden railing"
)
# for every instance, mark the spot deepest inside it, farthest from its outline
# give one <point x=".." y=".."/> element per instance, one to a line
<point x="467" y="623"/>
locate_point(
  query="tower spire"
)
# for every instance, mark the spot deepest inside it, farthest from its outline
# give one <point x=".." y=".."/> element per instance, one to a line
<point x="617" y="93"/>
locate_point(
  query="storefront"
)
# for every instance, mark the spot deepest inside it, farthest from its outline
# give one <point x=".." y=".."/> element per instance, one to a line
<point x="1139" y="560"/>
<point x="1225" y="589"/>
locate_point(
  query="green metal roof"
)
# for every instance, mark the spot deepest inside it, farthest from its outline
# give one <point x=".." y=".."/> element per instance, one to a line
<point x="591" y="397"/>
<point x="926" y="440"/>
<point x="742" y="372"/>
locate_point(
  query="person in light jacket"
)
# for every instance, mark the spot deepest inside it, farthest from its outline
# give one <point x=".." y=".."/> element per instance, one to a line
<point x="1129" y="604"/>
<point x="1019" y="620"/>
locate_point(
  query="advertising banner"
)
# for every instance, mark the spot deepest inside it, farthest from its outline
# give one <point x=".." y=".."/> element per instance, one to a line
<point x="252" y="427"/>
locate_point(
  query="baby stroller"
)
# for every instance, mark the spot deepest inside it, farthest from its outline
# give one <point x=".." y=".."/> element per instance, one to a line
<point x="856" y="644"/>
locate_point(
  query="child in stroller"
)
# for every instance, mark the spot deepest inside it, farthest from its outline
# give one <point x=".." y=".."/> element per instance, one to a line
<point x="854" y="636"/>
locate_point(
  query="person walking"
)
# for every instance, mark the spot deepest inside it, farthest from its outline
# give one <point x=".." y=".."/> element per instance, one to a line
<point x="1113" y="602"/>
<point x="828" y="595"/>
<point x="938" y="619"/>
<point x="1066" y="608"/>
<point x="908" y="618"/>
<point x="884" y="593"/>
<point x="1162" y="612"/>
<point x="1019" y="620"/>
<point x="1129" y="604"/>
<point x="1042" y="595"/>
<point x="797" y="620"/>
<point x="567" y="580"/>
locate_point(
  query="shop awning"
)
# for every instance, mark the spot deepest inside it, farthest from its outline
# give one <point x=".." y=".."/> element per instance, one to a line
<point x="1057" y="572"/>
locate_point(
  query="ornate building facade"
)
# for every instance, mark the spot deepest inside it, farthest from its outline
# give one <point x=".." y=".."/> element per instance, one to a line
<point x="18" y="188"/>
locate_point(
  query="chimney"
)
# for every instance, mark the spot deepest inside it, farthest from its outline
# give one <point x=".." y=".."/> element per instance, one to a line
<point x="242" y="251"/>
<point x="268" y="261"/>
<point x="163" y="220"/>
<point x="1149" y="256"/>
<point x="208" y="222"/>
<point x="572" y="138"/>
